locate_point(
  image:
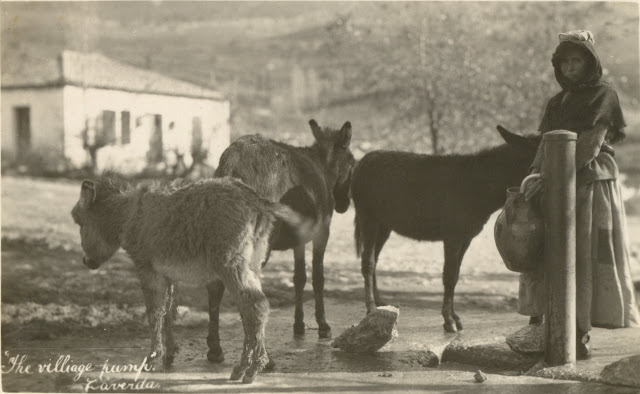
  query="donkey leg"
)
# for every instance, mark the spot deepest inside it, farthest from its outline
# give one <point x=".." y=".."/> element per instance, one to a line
<point x="215" y="290"/>
<point x="244" y="285"/>
<point x="154" y="289"/>
<point x="317" y="279"/>
<point x="368" y="237"/>
<point x="381" y="239"/>
<point x="170" y="318"/>
<point x="453" y="251"/>
<point x="299" y="280"/>
<point x="463" y="249"/>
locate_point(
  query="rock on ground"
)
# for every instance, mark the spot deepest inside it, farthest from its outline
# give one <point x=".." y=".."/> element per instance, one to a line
<point x="490" y="354"/>
<point x="480" y="376"/>
<point x="528" y="339"/>
<point x="623" y="372"/>
<point x="374" y="331"/>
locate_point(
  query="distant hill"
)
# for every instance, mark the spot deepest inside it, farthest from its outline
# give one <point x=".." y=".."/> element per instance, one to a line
<point x="254" y="51"/>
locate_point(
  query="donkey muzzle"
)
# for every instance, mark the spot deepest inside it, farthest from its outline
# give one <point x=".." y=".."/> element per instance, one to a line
<point x="90" y="263"/>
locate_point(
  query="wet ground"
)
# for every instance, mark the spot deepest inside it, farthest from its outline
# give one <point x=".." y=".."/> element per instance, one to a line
<point x="303" y="364"/>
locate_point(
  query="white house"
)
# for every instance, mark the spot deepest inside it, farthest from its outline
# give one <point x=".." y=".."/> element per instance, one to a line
<point x="56" y="109"/>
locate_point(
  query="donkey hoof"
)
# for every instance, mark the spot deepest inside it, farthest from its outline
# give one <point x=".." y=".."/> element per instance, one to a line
<point x="248" y="378"/>
<point x="298" y="328"/>
<point x="168" y="361"/>
<point x="250" y="375"/>
<point x="459" y="325"/>
<point x="536" y="320"/>
<point x="215" y="357"/>
<point x="237" y="374"/>
<point x="271" y="365"/>
<point x="324" y="331"/>
<point x="371" y="306"/>
<point x="449" y="327"/>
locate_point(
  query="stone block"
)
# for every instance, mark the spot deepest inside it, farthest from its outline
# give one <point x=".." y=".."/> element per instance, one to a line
<point x="528" y="339"/>
<point x="624" y="372"/>
<point x="374" y="331"/>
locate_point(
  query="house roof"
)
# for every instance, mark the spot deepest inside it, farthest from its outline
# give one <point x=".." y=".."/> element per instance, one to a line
<point x="97" y="71"/>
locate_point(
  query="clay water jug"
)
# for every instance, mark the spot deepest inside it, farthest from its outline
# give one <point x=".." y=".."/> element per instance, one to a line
<point x="519" y="230"/>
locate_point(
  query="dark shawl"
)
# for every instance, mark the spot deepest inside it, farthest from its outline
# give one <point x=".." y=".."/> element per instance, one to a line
<point x="579" y="107"/>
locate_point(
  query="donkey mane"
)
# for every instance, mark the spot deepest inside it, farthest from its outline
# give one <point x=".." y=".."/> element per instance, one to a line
<point x="491" y="151"/>
<point x="488" y="158"/>
<point x="315" y="150"/>
<point x="111" y="183"/>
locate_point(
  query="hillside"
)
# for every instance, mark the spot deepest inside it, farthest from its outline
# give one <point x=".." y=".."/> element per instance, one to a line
<point x="282" y="63"/>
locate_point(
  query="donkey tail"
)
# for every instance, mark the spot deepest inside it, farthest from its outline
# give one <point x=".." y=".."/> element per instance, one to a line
<point x="356" y="235"/>
<point x="292" y="228"/>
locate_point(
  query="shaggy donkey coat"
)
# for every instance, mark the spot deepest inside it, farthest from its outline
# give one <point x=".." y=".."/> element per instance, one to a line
<point x="314" y="181"/>
<point x="212" y="230"/>
<point x="433" y="198"/>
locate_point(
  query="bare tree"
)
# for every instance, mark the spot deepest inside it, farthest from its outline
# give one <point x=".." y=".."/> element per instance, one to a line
<point x="453" y="70"/>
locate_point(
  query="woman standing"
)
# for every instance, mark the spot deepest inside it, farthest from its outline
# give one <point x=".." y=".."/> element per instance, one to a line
<point x="589" y="107"/>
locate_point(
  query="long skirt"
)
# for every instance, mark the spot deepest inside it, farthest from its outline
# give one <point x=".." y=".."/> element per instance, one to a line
<point x="604" y="290"/>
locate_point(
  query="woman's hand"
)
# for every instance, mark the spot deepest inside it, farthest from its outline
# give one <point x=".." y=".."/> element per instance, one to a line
<point x="532" y="188"/>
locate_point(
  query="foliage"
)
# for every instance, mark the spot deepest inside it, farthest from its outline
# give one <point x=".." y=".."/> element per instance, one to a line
<point x="454" y="72"/>
<point x="389" y="67"/>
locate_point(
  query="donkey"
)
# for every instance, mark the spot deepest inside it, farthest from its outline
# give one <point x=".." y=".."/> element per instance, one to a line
<point x="314" y="181"/>
<point x="426" y="197"/>
<point x="213" y="230"/>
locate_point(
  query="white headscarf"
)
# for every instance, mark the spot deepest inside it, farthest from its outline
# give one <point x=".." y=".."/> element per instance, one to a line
<point x="577" y="35"/>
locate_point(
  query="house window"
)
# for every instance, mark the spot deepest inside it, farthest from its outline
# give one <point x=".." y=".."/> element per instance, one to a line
<point x="196" y="135"/>
<point x="155" y="144"/>
<point x="108" y="130"/>
<point x="126" y="127"/>
<point x="22" y="116"/>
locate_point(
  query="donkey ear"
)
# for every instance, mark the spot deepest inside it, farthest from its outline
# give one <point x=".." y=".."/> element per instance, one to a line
<point x="315" y="129"/>
<point x="345" y="135"/>
<point x="511" y="138"/>
<point x="88" y="193"/>
<point x="527" y="144"/>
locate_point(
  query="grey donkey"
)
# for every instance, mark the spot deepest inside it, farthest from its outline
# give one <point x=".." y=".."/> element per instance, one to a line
<point x="212" y="230"/>
<point x="313" y="180"/>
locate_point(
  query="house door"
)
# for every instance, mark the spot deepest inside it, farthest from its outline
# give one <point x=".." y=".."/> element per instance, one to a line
<point x="108" y="132"/>
<point x="23" y="130"/>
<point x="155" y="144"/>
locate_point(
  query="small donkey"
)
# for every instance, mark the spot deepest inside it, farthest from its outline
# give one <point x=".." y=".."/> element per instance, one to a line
<point x="212" y="230"/>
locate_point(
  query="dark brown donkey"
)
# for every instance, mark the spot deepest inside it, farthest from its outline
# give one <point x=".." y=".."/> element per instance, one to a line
<point x="425" y="197"/>
<point x="312" y="180"/>
<point x="213" y="230"/>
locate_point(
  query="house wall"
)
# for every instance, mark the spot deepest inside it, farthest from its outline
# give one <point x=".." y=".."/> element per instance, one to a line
<point x="82" y="104"/>
<point x="46" y="117"/>
<point x="221" y="132"/>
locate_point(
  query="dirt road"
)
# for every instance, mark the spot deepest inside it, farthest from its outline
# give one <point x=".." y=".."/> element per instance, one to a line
<point x="52" y="306"/>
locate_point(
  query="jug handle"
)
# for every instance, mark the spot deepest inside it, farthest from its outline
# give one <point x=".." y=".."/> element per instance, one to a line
<point x="529" y="178"/>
